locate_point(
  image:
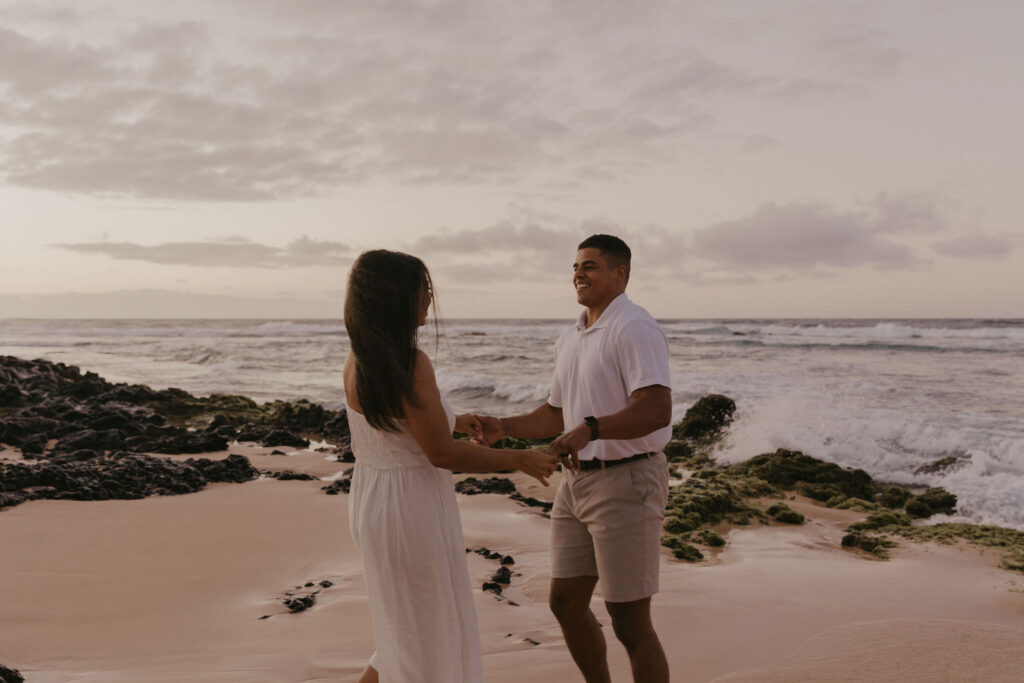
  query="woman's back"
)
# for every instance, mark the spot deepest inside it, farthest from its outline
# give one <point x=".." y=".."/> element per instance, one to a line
<point x="405" y="519"/>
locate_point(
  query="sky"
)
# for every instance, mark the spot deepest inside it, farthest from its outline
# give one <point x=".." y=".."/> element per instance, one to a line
<point x="796" y="159"/>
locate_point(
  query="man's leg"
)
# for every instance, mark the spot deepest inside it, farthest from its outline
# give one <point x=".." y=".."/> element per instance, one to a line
<point x="570" y="602"/>
<point x="633" y="628"/>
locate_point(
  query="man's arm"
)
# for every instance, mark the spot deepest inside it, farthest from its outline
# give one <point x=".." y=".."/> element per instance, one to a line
<point x="542" y="422"/>
<point x="647" y="410"/>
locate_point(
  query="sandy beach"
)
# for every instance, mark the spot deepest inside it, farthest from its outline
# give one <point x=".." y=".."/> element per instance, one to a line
<point x="173" y="589"/>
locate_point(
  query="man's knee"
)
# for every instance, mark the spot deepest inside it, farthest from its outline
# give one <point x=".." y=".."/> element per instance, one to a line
<point x="631" y="622"/>
<point x="570" y="598"/>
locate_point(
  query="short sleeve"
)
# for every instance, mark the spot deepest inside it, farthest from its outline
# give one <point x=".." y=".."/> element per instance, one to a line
<point x="643" y="355"/>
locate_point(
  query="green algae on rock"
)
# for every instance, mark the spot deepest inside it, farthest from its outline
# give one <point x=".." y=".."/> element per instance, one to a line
<point x="1010" y="541"/>
<point x="876" y="545"/>
<point x="695" y="436"/>
<point x="781" y="512"/>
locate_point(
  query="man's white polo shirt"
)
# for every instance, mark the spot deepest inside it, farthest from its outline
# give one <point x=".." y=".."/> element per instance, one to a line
<point x="597" y="368"/>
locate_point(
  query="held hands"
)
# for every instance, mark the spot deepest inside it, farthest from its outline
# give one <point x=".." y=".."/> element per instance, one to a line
<point x="569" y="445"/>
<point x="468" y="423"/>
<point x="491" y="430"/>
<point x="537" y="464"/>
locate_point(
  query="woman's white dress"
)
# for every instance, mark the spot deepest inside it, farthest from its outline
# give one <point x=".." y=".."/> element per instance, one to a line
<point x="405" y="519"/>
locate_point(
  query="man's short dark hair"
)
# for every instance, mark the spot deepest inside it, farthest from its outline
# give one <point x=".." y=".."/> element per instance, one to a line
<point x="615" y="251"/>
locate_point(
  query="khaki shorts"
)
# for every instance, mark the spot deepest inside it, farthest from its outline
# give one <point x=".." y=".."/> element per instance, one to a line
<point x="607" y="523"/>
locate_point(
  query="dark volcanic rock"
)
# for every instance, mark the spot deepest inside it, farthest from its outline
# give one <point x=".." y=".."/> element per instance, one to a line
<point x="530" y="501"/>
<point x="300" y="603"/>
<point x="337" y="486"/>
<point x="181" y="442"/>
<point x="944" y="464"/>
<point x="472" y="486"/>
<point x="82" y="410"/>
<point x="107" y="439"/>
<point x="289" y="475"/>
<point x="282" y="437"/>
<point x="10" y="675"/>
<point x="92" y="475"/>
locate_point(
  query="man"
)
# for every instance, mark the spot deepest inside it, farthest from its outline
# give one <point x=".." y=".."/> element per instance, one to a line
<point x="612" y="403"/>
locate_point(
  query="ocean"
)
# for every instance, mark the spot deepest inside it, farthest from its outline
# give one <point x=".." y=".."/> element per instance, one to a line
<point x="887" y="396"/>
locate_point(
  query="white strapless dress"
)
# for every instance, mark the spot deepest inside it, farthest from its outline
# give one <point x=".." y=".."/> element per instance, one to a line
<point x="405" y="519"/>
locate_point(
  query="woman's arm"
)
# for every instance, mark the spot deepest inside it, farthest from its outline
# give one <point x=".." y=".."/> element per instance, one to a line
<point x="428" y="424"/>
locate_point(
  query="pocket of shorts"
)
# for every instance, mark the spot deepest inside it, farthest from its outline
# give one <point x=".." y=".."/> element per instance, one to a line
<point x="643" y="484"/>
<point x="649" y="480"/>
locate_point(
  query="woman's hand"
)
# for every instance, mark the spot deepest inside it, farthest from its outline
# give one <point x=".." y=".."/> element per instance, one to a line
<point x="468" y="423"/>
<point x="537" y="464"/>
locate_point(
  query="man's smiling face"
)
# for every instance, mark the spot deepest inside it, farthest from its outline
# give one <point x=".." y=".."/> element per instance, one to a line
<point x="596" y="282"/>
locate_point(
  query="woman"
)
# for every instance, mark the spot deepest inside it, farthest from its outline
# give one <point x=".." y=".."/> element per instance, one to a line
<point x="403" y="512"/>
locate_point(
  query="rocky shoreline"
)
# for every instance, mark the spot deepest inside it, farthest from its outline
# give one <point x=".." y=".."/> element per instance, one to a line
<point x="83" y="438"/>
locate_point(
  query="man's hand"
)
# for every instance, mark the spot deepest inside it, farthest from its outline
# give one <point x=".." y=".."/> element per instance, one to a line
<point x="490" y="430"/>
<point x="569" y="445"/>
<point x="468" y="423"/>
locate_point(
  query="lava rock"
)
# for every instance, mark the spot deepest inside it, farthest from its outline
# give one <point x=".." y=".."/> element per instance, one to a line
<point x="289" y="475"/>
<point x="472" y="486"/>
<point x="337" y="486"/>
<point x="300" y="603"/>
<point x="10" y="675"/>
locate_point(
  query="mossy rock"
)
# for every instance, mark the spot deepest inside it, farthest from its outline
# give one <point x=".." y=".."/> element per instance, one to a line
<point x="683" y="453"/>
<point x="681" y="524"/>
<point x="1009" y="541"/>
<point x="717" y="498"/>
<point x="880" y="520"/>
<point x="781" y="512"/>
<point x="819" y="492"/>
<point x="705" y="419"/>
<point x="932" y="501"/>
<point x="876" y="545"/>
<point x="711" y="538"/>
<point x="786" y="469"/>
<point x="682" y="550"/>
<point x="180" y="406"/>
<point x="941" y="465"/>
<point x="678" y="451"/>
<point x="893" y="497"/>
<point x="855" y="504"/>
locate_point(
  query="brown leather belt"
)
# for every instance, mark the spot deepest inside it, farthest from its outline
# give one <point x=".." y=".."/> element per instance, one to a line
<point x="604" y="464"/>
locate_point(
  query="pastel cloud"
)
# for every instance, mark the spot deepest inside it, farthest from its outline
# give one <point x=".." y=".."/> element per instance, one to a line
<point x="231" y="252"/>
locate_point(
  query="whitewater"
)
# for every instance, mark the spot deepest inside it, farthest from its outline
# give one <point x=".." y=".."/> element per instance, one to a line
<point x="887" y="396"/>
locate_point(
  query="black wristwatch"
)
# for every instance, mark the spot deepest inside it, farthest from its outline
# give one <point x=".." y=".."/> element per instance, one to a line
<point x="591" y="422"/>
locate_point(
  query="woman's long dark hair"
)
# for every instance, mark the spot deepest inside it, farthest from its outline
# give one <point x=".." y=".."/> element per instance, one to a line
<point x="382" y="314"/>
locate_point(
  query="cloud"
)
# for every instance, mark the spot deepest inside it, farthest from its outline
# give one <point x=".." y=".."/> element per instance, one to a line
<point x="799" y="237"/>
<point x="975" y="246"/>
<point x="498" y="237"/>
<point x="234" y="252"/>
<point x="303" y="98"/>
<point x="149" y="303"/>
<point x="530" y="251"/>
<point x="912" y="212"/>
